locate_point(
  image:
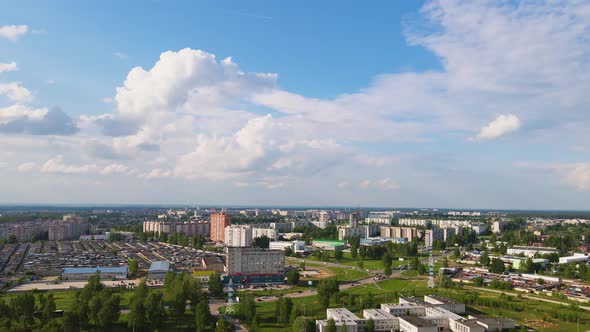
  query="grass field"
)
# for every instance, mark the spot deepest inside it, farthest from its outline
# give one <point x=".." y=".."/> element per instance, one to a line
<point x="370" y="264"/>
<point x="341" y="274"/>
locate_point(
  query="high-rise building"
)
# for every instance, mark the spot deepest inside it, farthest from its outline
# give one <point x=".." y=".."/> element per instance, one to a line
<point x="238" y="236"/>
<point x="219" y="221"/>
<point x="70" y="228"/>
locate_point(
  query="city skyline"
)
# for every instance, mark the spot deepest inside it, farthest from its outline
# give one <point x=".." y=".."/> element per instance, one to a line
<point x="442" y="104"/>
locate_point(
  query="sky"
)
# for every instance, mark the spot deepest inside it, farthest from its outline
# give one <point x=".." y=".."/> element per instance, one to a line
<point x="442" y="104"/>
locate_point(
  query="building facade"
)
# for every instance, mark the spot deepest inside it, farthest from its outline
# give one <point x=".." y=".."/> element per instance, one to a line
<point x="238" y="236"/>
<point x="219" y="221"/>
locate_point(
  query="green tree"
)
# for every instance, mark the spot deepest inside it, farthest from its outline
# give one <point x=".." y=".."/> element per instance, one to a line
<point x="303" y="324"/>
<point x="293" y="277"/>
<point x="363" y="252"/>
<point x="478" y="281"/>
<point x="155" y="310"/>
<point x="331" y="325"/>
<point x="215" y="284"/>
<point x="247" y="307"/>
<point x="262" y="242"/>
<point x="137" y="319"/>
<point x="23" y="307"/>
<point x="386" y="260"/>
<point x="338" y="254"/>
<point x="484" y="259"/>
<point x="203" y="316"/>
<point x="327" y="288"/>
<point x="133" y="266"/>
<point x="456" y="252"/>
<point x="224" y="325"/>
<point x="110" y="311"/>
<point x="48" y="309"/>
<point x="497" y="266"/>
<point x="370" y="325"/>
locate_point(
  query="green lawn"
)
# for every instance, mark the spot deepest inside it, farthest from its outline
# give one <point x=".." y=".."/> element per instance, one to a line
<point x="344" y="274"/>
<point x="368" y="264"/>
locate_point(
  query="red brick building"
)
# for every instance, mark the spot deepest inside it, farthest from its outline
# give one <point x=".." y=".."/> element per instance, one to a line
<point x="218" y="223"/>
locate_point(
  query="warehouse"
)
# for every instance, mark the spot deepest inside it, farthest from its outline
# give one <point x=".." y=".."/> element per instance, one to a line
<point x="158" y="270"/>
<point x="83" y="273"/>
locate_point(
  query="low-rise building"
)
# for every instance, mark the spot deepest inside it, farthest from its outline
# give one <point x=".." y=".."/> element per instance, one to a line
<point x="158" y="270"/>
<point x="106" y="272"/>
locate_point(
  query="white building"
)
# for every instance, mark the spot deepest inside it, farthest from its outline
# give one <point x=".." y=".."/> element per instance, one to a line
<point x="344" y="232"/>
<point x="271" y="233"/>
<point x="379" y="217"/>
<point x="497" y="226"/>
<point x="238" y="236"/>
<point x="414" y="222"/>
<point x="576" y="258"/>
<point x="531" y="251"/>
<point x="384" y="321"/>
<point x="434" y="313"/>
<point x="296" y="246"/>
<point x="416" y="324"/>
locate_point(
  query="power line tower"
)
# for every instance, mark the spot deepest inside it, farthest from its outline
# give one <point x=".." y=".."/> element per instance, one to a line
<point x="431" y="283"/>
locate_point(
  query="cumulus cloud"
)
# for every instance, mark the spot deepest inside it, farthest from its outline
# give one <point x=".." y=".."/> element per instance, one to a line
<point x="15" y="92"/>
<point x="13" y="32"/>
<point x="502" y="125"/>
<point x="11" y="66"/>
<point x="18" y="119"/>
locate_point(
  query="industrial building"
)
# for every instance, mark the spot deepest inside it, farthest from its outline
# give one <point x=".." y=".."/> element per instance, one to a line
<point x="83" y="273"/>
<point x="254" y="265"/>
<point x="158" y="270"/>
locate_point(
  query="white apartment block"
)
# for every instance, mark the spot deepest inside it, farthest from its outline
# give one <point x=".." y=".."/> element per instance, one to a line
<point x="414" y="222"/>
<point x="379" y="217"/>
<point x="238" y="236"/>
<point x="271" y="233"/>
<point x="431" y="235"/>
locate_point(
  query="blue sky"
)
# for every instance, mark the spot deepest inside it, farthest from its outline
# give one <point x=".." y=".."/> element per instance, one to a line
<point x="393" y="103"/>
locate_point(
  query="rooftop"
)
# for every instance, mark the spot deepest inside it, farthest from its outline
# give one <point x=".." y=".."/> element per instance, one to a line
<point x="105" y="269"/>
<point x="159" y="266"/>
<point x="417" y="321"/>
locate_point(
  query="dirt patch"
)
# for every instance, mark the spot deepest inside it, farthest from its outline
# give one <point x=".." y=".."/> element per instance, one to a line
<point x="322" y="273"/>
<point x="541" y="324"/>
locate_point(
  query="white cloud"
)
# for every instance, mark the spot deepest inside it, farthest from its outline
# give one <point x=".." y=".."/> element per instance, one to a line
<point x="578" y="175"/>
<point x="502" y="125"/>
<point x="11" y="66"/>
<point x="19" y="119"/>
<point x="156" y="173"/>
<point x="107" y="100"/>
<point x="13" y="32"/>
<point x="385" y="184"/>
<point x="15" y="92"/>
<point x="26" y="167"/>
<point x="51" y="81"/>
